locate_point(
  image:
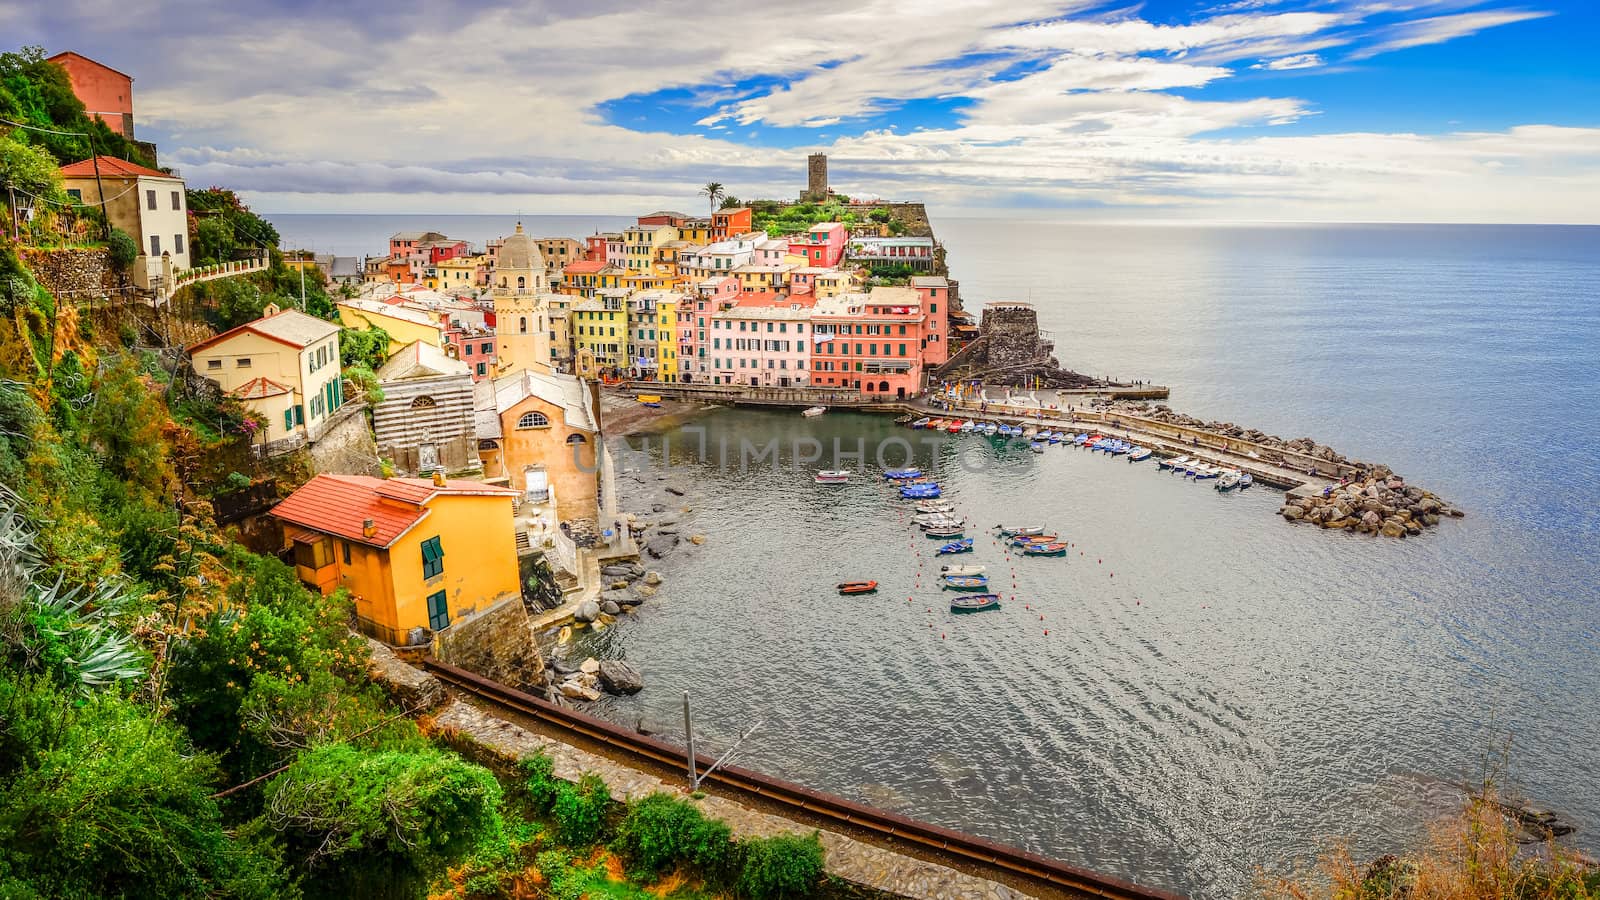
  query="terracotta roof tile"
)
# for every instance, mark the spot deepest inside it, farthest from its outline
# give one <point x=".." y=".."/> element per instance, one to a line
<point x="339" y="504"/>
<point x="110" y="166"/>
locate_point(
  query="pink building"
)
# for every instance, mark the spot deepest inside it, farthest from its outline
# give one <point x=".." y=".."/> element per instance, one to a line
<point x="694" y="325"/>
<point x="768" y="346"/>
<point x="934" y="292"/>
<point x="769" y="253"/>
<point x="822" y="246"/>
<point x="870" y="342"/>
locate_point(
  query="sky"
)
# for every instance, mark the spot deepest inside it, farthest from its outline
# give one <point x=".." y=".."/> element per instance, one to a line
<point x="1211" y="110"/>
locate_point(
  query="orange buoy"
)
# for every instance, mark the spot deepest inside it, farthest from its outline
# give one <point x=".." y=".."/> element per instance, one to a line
<point x="1047" y="632"/>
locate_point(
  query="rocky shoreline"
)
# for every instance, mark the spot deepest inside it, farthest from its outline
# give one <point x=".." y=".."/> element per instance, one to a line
<point x="1369" y="498"/>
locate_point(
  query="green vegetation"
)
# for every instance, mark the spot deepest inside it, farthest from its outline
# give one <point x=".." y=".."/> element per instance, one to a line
<point x="779" y="218"/>
<point x="661" y="832"/>
<point x="221" y="225"/>
<point x="36" y="92"/>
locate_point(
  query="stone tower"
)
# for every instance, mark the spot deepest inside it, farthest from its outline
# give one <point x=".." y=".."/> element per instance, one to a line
<point x="521" y="327"/>
<point x="816" y="178"/>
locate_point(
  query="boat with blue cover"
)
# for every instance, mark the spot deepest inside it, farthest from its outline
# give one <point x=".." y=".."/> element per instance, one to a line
<point x="1245" y="480"/>
<point x="920" y="492"/>
<point x="1036" y="447"/>
<point x="920" y="423"/>
<point x="1056" y="549"/>
<point x="964" y="582"/>
<point x="1139" y="453"/>
<point x="975" y="603"/>
<point x="898" y="474"/>
<point x="962" y="546"/>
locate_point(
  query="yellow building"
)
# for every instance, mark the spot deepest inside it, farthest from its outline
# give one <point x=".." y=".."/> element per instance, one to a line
<point x="600" y="326"/>
<point x="640" y="243"/>
<point x="763" y="278"/>
<point x="284" y="367"/>
<point x="695" y="231"/>
<point x="403" y="325"/>
<point x="585" y="277"/>
<point x="415" y="554"/>
<point x="667" y="340"/>
<point x="521" y="323"/>
<point x="460" y="273"/>
<point x="834" y="283"/>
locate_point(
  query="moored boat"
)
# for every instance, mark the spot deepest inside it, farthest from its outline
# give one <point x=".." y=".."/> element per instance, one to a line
<point x="1081" y="439"/>
<point x="1172" y="462"/>
<point x="1138" y="454"/>
<point x="938" y="521"/>
<point x="858" y="587"/>
<point x="991" y="429"/>
<point x="1045" y="550"/>
<point x="1028" y="540"/>
<point x="954" y="427"/>
<point x="1016" y="530"/>
<point x="964" y="582"/>
<point x="963" y="570"/>
<point x="920" y="423"/>
<point x="975" y="603"/>
<point x="909" y="472"/>
<point x="936" y="506"/>
<point x="1228" y="481"/>
<point x="833" y="476"/>
<point x="1245" y="480"/>
<point x="814" y="411"/>
<point x="952" y="531"/>
<point x="968" y="426"/>
<point x="962" y="546"/>
<point x="1036" y="446"/>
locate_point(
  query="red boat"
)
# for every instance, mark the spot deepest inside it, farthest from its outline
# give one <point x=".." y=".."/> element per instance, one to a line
<point x="858" y="587"/>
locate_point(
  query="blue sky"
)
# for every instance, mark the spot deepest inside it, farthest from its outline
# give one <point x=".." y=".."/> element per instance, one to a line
<point x="1370" y="110"/>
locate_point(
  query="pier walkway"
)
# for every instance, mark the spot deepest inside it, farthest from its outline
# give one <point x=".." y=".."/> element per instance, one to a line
<point x="802" y="397"/>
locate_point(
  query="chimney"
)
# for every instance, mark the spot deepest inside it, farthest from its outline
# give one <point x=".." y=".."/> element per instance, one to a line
<point x="438" y="478"/>
<point x="369" y="528"/>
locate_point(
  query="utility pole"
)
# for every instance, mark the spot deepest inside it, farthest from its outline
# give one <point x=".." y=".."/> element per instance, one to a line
<point x="302" y="281"/>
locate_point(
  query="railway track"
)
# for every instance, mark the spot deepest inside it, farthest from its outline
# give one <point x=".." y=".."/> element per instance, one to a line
<point x="1063" y="877"/>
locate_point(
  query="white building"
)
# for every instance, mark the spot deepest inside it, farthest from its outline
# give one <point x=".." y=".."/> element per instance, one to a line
<point x="148" y="204"/>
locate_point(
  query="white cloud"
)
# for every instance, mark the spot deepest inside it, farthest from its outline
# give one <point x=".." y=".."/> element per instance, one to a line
<point x="1289" y="63"/>
<point x="1438" y="29"/>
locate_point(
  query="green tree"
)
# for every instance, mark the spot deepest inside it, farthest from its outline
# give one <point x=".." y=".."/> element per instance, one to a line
<point x="29" y="170"/>
<point x="731" y="202"/>
<point x="127" y="425"/>
<point x="781" y="866"/>
<point x="352" y="815"/>
<point x="214" y="240"/>
<point x="713" y="192"/>
<point x="124" y="249"/>
<point x="364" y="347"/>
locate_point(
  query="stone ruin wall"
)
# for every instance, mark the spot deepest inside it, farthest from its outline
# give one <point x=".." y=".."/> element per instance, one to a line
<point x="1013" y="337"/>
<point x="77" y="274"/>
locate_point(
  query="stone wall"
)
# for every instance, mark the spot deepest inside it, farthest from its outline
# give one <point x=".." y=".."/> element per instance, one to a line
<point x="77" y="274"/>
<point x="346" y="447"/>
<point x="1013" y="333"/>
<point x="497" y="643"/>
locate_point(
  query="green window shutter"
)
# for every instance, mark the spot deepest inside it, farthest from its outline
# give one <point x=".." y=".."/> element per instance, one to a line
<point x="438" y="611"/>
<point x="288" y="419"/>
<point x="432" y="558"/>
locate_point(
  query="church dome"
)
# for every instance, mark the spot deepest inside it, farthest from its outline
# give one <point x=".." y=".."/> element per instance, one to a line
<point x="519" y="253"/>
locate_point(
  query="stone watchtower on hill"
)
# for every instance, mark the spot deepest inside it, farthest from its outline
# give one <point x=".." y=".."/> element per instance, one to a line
<point x="816" y="178"/>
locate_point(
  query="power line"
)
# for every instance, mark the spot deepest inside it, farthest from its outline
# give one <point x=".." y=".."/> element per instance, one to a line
<point x="44" y="130"/>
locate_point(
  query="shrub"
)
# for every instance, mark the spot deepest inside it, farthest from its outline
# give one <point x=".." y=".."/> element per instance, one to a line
<point x="661" y="831"/>
<point x="124" y="249"/>
<point x="782" y="866"/>
<point x="580" y="810"/>
<point x="540" y="772"/>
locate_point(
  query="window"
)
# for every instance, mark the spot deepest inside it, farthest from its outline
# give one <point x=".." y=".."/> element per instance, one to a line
<point x="532" y="420"/>
<point x="423" y="402"/>
<point x="576" y="439"/>
<point x="75" y="194"/>
<point x="150" y="199"/>
<point x="346" y="546"/>
<point x="177" y="243"/>
<point x="242" y="362"/>
<point x="313" y="554"/>
<point x="438" y="612"/>
<point x="177" y="203"/>
<point x="902" y="349"/>
<point x="482" y="369"/>
<point x="213" y="364"/>
<point x="155" y="243"/>
<point x="487" y="348"/>
<point x="432" y="558"/>
<point x="933" y="307"/>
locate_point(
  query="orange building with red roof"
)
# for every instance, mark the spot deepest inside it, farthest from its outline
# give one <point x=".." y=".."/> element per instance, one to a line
<point x="415" y="554"/>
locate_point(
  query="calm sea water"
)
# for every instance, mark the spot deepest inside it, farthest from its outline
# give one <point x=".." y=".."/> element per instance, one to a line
<point x="1217" y="691"/>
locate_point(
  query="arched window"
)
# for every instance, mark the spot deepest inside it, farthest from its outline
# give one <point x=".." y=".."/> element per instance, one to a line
<point x="576" y="439"/>
<point x="883" y="386"/>
<point x="423" y="402"/>
<point x="532" y="420"/>
<point x="521" y="282"/>
<point x="522" y="324"/>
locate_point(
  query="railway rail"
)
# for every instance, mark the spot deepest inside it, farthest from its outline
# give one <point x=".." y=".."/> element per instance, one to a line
<point x="1063" y="877"/>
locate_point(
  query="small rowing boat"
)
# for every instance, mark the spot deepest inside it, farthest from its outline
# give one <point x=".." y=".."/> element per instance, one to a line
<point x="1175" y="464"/>
<point x="1028" y="540"/>
<point x="945" y="532"/>
<point x="1045" y="550"/>
<point x="936" y="506"/>
<point x="920" y="492"/>
<point x="964" y="582"/>
<point x="1036" y="446"/>
<point x="920" y="423"/>
<point x="1228" y="481"/>
<point x="962" y="570"/>
<point x="1081" y="439"/>
<point x="1245" y="480"/>
<point x="1018" y="530"/>
<point x="814" y="411"/>
<point x="833" y="476"/>
<point x="858" y="587"/>
<point x="954" y="427"/>
<point x="991" y="429"/>
<point x="975" y="603"/>
<point x="1139" y="453"/>
<point x="938" y="520"/>
<point x="962" y="546"/>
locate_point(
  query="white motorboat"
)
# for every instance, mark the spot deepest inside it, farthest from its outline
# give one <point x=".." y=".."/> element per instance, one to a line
<point x="936" y="506"/>
<point x="814" y="411"/>
<point x="833" y="476"/>
<point x="1176" y="463"/>
<point x="959" y="571"/>
<point x="968" y="426"/>
<point x="1228" y="481"/>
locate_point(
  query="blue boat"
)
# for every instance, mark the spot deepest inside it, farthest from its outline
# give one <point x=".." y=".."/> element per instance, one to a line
<point x="1036" y="447"/>
<point x="961" y="546"/>
<point x="975" y="603"/>
<point x="964" y="582"/>
<point x="919" y="492"/>
<point x="1081" y="439"/>
<point x="1053" y="437"/>
<point x="920" y="423"/>
<point x="895" y="474"/>
<point x="1139" y="453"/>
<point x="1245" y="480"/>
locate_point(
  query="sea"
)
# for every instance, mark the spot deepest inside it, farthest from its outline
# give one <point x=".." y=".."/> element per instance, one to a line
<point x="1199" y="696"/>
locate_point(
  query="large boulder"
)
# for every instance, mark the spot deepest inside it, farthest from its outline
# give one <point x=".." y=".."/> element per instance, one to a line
<point x="661" y="545"/>
<point x="1371" y="521"/>
<point x="1293" y="513"/>
<point x="615" y="571"/>
<point x="407" y="685"/>
<point x="1393" y="528"/>
<point x="577" y="690"/>
<point x="611" y="608"/>
<point x="587" y="611"/>
<point x="618" y="677"/>
<point x="652" y="578"/>
<point x="589" y="666"/>
<point x="643" y="591"/>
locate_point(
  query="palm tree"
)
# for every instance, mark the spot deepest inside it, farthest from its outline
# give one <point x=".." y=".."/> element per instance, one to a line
<point x="714" y="193"/>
